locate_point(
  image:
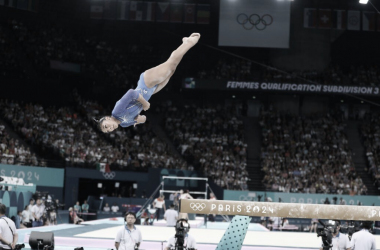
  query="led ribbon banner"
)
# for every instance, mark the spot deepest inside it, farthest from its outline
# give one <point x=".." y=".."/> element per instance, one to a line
<point x="273" y="209"/>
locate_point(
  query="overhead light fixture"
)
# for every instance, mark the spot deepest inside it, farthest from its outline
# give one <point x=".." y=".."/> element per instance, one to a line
<point x="363" y="1"/>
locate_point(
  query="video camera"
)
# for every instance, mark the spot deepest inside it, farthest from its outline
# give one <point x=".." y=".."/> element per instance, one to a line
<point x="326" y="231"/>
<point x="182" y="227"/>
<point x="50" y="204"/>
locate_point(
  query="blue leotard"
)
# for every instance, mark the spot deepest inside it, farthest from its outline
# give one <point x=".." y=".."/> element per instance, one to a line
<point x="128" y="108"/>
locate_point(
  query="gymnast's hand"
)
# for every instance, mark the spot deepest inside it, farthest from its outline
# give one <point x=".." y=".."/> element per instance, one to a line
<point x="146" y="106"/>
<point x="140" y="119"/>
<point x="145" y="103"/>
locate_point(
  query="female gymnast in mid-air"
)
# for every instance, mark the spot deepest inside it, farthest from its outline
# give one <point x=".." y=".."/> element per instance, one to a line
<point x="127" y="110"/>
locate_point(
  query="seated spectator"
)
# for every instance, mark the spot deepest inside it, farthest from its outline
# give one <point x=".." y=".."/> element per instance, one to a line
<point x="26" y="219"/>
<point x="114" y="208"/>
<point x="106" y="208"/>
<point x="74" y="217"/>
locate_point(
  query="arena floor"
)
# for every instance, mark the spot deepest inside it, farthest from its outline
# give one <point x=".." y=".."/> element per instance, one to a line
<point x="100" y="234"/>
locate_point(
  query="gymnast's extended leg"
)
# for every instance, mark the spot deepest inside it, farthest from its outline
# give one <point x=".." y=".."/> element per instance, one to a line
<point x="161" y="74"/>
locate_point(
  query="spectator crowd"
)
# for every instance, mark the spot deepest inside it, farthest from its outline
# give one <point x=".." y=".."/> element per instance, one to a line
<point x="370" y="132"/>
<point x="12" y="152"/>
<point x="307" y="154"/>
<point x="211" y="140"/>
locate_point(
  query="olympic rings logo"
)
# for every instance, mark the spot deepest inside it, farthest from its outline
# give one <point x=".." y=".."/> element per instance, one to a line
<point x="254" y="21"/>
<point x="110" y="175"/>
<point x="197" y="206"/>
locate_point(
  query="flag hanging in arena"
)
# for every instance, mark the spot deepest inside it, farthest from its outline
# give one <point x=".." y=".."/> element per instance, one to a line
<point x="203" y="13"/>
<point x="135" y="11"/>
<point x="342" y="20"/>
<point x="368" y="21"/>
<point x="176" y="11"/>
<point x="109" y="10"/>
<point x="162" y="13"/>
<point x="189" y="13"/>
<point x="96" y="9"/>
<point x="123" y="7"/>
<point x="339" y="18"/>
<point x="324" y="18"/>
<point x="148" y="11"/>
<point x="353" y="20"/>
<point x="310" y="18"/>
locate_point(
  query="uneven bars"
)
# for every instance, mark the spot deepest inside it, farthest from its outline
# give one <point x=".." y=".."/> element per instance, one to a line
<point x="190" y="178"/>
<point x="173" y="191"/>
<point x="275" y="209"/>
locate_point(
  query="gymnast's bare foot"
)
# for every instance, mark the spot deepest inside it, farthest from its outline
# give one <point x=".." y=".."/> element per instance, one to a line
<point x="192" y="39"/>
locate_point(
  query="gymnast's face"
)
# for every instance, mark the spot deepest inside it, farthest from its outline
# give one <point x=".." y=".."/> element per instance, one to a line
<point x="108" y="125"/>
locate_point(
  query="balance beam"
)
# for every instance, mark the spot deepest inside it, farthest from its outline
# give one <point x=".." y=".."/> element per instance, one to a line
<point x="274" y="209"/>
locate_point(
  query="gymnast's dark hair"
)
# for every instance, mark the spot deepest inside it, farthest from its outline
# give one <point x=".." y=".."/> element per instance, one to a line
<point x="99" y="122"/>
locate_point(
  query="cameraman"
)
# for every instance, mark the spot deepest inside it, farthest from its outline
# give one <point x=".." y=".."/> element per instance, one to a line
<point x="339" y="241"/>
<point x="128" y="237"/>
<point x="364" y="240"/>
<point x="182" y="228"/>
<point x="8" y="233"/>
